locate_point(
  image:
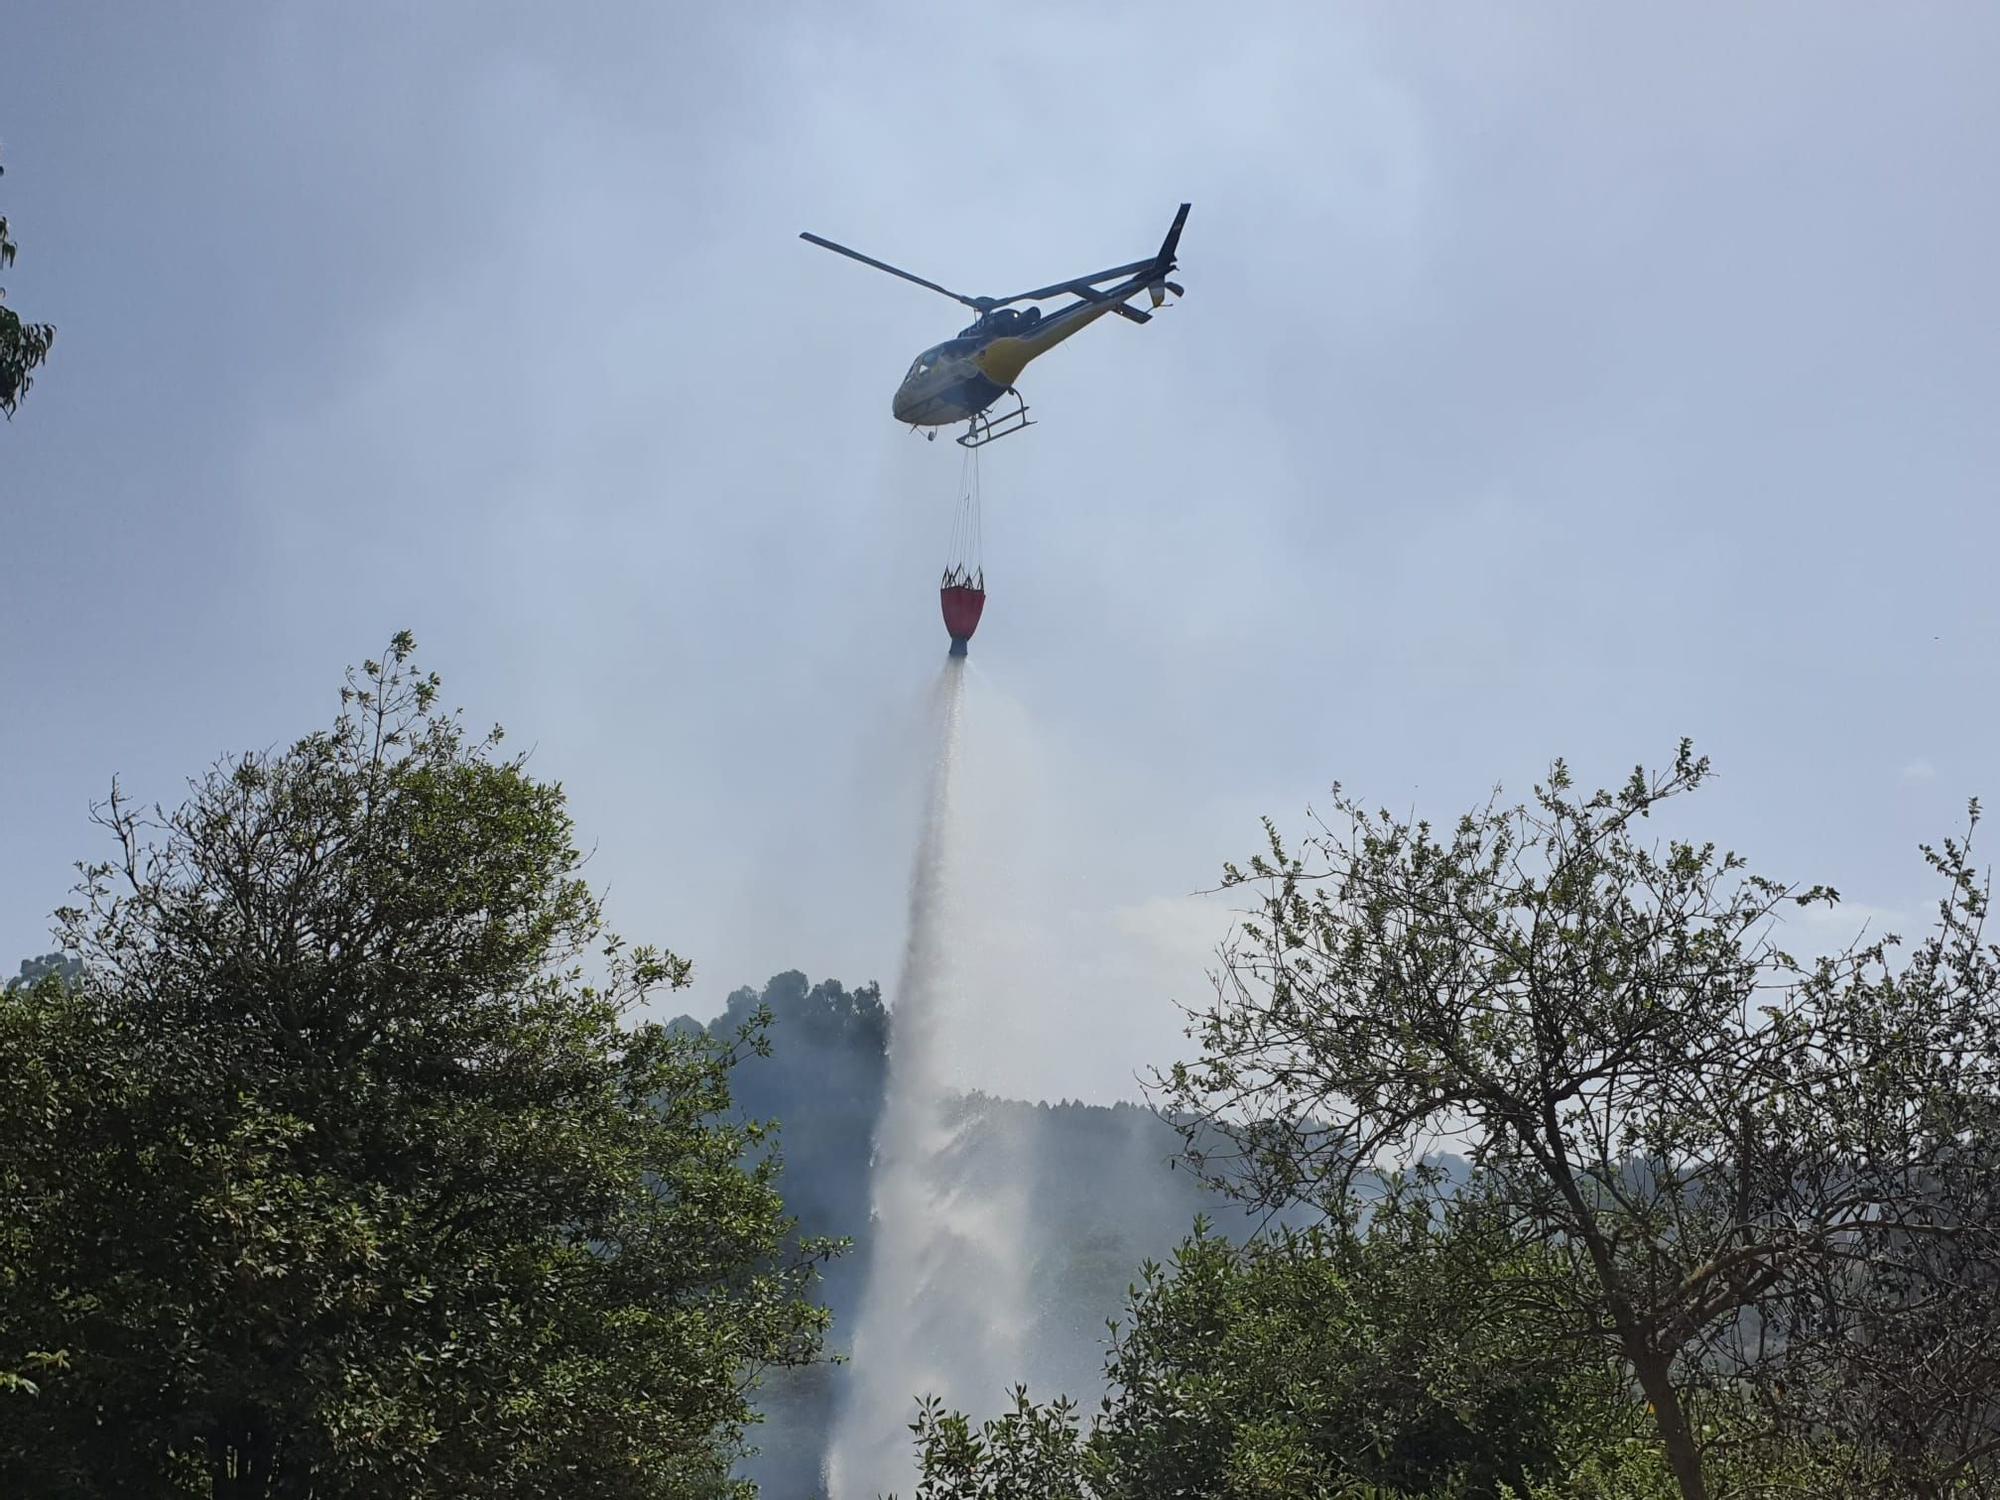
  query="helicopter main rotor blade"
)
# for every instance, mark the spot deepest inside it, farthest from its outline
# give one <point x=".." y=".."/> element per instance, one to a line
<point x="977" y="304"/>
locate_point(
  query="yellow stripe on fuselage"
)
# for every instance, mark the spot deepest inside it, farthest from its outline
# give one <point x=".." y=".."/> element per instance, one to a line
<point x="1003" y="360"/>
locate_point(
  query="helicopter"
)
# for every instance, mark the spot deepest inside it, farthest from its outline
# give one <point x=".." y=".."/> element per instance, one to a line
<point x="958" y="380"/>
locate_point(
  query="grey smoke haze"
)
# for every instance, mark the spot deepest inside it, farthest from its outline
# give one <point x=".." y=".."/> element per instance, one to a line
<point x="1552" y="379"/>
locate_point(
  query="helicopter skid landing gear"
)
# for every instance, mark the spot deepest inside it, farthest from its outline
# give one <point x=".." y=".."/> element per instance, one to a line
<point x="984" y="429"/>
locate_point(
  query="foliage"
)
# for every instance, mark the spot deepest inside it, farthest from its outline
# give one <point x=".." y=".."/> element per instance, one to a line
<point x="1622" y="1460"/>
<point x="1406" y="1358"/>
<point x="46" y="1077"/>
<point x="24" y="346"/>
<point x="1647" y="1084"/>
<point x="1029" y="1453"/>
<point x="337" y="1175"/>
<point x="1892" y="1337"/>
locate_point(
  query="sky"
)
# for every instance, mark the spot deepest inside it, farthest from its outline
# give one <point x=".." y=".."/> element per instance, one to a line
<point x="1552" y="380"/>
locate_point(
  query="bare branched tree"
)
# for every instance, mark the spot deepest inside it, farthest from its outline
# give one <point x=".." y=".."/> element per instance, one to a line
<point x="1643" y="1079"/>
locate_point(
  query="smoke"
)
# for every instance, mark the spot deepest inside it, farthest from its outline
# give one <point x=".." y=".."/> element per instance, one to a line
<point x="945" y="1309"/>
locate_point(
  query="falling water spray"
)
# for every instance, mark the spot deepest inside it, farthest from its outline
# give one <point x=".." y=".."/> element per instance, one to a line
<point x="943" y="1310"/>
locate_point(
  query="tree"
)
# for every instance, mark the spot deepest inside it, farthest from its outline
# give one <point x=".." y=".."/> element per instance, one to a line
<point x="45" y="1041"/>
<point x="1892" y="1339"/>
<point x="345" y="1178"/>
<point x="1397" y="1358"/>
<point x="23" y="346"/>
<point x="1645" y="1082"/>
<point x="1336" y="1361"/>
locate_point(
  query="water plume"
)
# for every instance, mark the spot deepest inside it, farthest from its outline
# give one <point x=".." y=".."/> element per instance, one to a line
<point x="943" y="1312"/>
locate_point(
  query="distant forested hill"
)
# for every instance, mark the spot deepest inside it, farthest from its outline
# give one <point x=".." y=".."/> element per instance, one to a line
<point x="822" y="1082"/>
<point x="35" y="970"/>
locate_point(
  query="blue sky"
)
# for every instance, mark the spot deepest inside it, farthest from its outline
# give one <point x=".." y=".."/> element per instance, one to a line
<point x="1552" y="380"/>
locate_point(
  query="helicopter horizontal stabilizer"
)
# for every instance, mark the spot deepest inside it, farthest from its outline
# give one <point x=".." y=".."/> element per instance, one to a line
<point x="1118" y="304"/>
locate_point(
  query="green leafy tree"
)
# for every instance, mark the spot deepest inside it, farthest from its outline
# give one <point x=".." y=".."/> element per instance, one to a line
<point x="1646" y="1083"/>
<point x="46" y="1079"/>
<point x="1031" y="1452"/>
<point x="1408" y="1358"/>
<point x="24" y="346"/>
<point x="341" y="1173"/>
